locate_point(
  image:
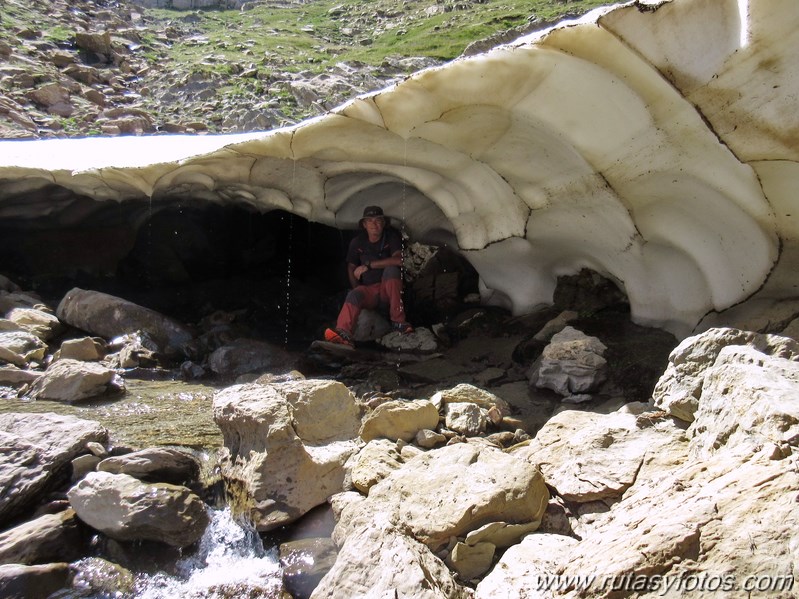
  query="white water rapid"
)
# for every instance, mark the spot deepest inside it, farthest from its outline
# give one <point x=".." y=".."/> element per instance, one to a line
<point x="231" y="562"/>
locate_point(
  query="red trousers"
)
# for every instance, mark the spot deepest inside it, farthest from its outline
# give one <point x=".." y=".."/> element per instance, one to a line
<point x="387" y="292"/>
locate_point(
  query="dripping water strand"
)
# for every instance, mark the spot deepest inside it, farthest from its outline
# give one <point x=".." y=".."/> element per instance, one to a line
<point x="402" y="233"/>
<point x="149" y="253"/>
<point x="287" y="312"/>
<point x="288" y="280"/>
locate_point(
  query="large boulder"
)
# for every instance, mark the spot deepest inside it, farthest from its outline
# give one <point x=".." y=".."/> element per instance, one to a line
<point x="48" y="538"/>
<point x="702" y="519"/>
<point x="109" y="317"/>
<point x="127" y="509"/>
<point x="373" y="463"/>
<point x="285" y="446"/>
<point x="37" y="321"/>
<point x="586" y="456"/>
<point x="72" y="380"/>
<point x="572" y="364"/>
<point x="449" y="492"/>
<point x="399" y="419"/>
<point x="749" y="400"/>
<point x="679" y="388"/>
<point x="31" y="582"/>
<point x="155" y="464"/>
<point x="382" y="562"/>
<point x="522" y="568"/>
<point x="37" y="450"/>
<point x="21" y="347"/>
<point x="461" y="501"/>
<point x="245" y="356"/>
<point x="466" y="393"/>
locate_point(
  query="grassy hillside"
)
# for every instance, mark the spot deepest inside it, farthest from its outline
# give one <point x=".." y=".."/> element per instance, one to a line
<point x="231" y="70"/>
<point x="316" y="34"/>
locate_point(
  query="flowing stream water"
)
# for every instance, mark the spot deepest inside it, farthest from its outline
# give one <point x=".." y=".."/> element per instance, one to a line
<point x="150" y="413"/>
<point x="230" y="561"/>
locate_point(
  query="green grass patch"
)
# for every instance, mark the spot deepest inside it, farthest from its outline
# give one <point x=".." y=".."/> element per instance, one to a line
<point x="315" y="35"/>
<point x="206" y="45"/>
<point x="59" y="34"/>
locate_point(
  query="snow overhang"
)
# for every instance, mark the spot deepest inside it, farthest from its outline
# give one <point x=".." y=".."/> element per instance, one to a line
<point x="655" y="143"/>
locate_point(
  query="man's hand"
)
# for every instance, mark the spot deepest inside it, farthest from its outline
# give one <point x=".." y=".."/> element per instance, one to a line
<point x="359" y="270"/>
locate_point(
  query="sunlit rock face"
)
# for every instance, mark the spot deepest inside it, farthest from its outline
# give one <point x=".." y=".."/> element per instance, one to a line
<point x="655" y="143"/>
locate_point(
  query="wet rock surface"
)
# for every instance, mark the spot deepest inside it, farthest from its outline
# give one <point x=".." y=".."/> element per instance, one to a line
<point x="160" y="464"/>
<point x="285" y="446"/>
<point x="37" y="452"/>
<point x="75" y="380"/>
<point x="126" y="509"/>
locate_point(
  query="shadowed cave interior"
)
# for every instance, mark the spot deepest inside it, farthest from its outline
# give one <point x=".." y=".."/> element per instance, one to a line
<point x="281" y="274"/>
<point x="280" y="278"/>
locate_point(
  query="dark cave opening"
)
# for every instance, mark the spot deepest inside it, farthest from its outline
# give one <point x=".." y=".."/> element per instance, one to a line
<point x="229" y="273"/>
<point x="283" y="276"/>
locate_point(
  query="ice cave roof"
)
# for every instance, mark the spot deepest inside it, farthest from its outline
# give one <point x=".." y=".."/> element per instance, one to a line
<point x="653" y="142"/>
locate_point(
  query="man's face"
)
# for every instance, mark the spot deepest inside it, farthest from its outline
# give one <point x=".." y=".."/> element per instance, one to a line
<point x="374" y="225"/>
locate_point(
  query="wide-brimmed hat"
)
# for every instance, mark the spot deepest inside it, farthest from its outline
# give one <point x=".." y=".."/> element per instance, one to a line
<point x="371" y="212"/>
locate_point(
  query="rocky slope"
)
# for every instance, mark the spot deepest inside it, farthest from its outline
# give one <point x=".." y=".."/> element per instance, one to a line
<point x="84" y="67"/>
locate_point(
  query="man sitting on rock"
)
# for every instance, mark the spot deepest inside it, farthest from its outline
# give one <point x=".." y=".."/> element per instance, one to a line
<point x="374" y="262"/>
